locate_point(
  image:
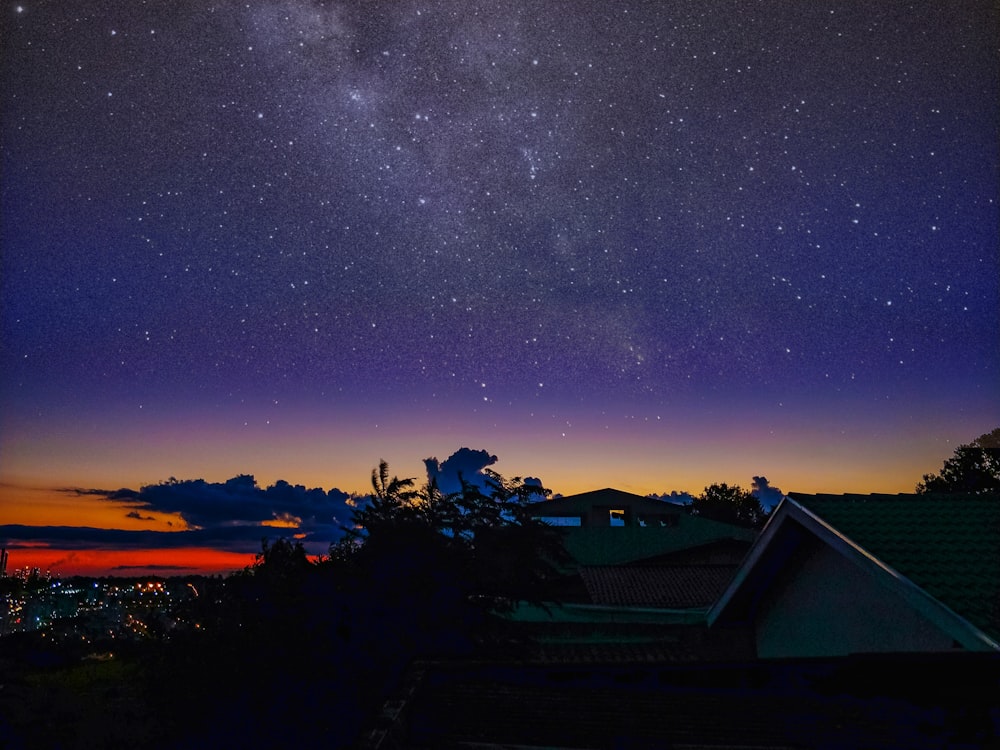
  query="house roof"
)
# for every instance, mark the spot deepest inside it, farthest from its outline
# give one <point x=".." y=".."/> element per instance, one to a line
<point x="672" y="587"/>
<point x="617" y="545"/>
<point x="581" y="503"/>
<point x="624" y="544"/>
<point x="940" y="553"/>
<point x="948" y="545"/>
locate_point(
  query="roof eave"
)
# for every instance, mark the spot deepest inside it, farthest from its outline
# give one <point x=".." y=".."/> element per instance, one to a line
<point x="750" y="562"/>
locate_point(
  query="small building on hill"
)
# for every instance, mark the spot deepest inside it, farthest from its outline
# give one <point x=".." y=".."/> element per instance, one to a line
<point x="839" y="575"/>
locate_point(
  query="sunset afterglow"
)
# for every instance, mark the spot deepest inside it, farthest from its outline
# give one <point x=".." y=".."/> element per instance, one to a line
<point x="250" y="250"/>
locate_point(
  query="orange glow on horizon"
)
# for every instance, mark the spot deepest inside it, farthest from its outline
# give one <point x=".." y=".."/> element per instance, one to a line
<point x="128" y="563"/>
<point x="50" y="506"/>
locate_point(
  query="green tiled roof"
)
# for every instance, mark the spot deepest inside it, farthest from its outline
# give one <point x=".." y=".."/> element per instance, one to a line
<point x="949" y="545"/>
<point x="615" y="545"/>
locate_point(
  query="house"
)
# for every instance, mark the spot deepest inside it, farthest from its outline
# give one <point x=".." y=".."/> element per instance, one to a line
<point x="837" y="575"/>
<point x="629" y="551"/>
<point x="642" y="576"/>
<point x="611" y="527"/>
<point x="884" y="605"/>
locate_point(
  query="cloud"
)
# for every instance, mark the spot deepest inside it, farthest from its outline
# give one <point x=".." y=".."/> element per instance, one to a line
<point x="232" y="538"/>
<point x="120" y="494"/>
<point x="240" y="501"/>
<point x="65" y="561"/>
<point x="768" y="496"/>
<point x="233" y="515"/>
<point x="536" y="482"/>
<point x="464" y="463"/>
<point x="675" y="497"/>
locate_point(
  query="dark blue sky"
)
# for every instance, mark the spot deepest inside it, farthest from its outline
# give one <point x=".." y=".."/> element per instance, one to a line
<point x="404" y="227"/>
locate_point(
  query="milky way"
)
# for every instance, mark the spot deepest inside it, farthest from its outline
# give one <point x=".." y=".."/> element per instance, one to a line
<point x="632" y="209"/>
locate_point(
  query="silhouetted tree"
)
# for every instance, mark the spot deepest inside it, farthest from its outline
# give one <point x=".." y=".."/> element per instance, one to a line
<point x="975" y="467"/>
<point x="270" y="592"/>
<point x="391" y="502"/>
<point x="512" y="554"/>
<point x="735" y="505"/>
<point x="307" y="646"/>
<point x="494" y="550"/>
<point x="282" y="564"/>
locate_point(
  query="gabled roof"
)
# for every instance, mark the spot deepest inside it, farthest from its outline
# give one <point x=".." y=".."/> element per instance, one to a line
<point x="949" y="545"/>
<point x="940" y="552"/>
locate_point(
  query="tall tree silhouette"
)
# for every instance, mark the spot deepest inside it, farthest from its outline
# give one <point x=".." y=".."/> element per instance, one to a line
<point x="391" y="499"/>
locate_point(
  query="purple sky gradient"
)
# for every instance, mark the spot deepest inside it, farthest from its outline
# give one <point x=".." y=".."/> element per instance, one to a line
<point x="644" y="245"/>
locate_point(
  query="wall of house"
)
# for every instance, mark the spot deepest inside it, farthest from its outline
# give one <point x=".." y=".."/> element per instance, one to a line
<point x="827" y="606"/>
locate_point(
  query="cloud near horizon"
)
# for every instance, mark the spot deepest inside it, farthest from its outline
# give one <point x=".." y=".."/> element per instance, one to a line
<point x="240" y="501"/>
<point x="230" y="538"/>
<point x="465" y="463"/>
<point x="234" y="515"/>
<point x="675" y="497"/>
<point x="468" y="465"/>
<point x="768" y="495"/>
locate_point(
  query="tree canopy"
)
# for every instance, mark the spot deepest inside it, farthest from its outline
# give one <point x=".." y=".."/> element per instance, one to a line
<point x="734" y="505"/>
<point x="497" y="551"/>
<point x="975" y="468"/>
<point x="419" y="572"/>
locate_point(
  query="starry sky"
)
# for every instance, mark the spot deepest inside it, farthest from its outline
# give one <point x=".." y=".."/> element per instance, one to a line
<point x="648" y="245"/>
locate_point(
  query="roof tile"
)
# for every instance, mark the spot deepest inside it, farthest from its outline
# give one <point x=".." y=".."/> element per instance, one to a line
<point x="670" y="587"/>
<point x="949" y="545"/>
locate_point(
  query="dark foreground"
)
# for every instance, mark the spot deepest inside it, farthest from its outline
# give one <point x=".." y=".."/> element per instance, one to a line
<point x="212" y="694"/>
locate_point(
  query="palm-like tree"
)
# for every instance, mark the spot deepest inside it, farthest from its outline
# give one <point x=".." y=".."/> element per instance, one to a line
<point x="390" y="499"/>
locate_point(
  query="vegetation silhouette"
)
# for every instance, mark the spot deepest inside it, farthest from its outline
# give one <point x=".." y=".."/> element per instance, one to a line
<point x="298" y="650"/>
<point x="975" y="467"/>
<point x="734" y="505"/>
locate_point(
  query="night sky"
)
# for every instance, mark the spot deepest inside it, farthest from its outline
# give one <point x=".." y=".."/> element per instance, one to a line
<point x="633" y="244"/>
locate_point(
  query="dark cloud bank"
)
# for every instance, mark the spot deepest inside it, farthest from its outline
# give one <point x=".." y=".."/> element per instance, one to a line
<point x="234" y="515"/>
